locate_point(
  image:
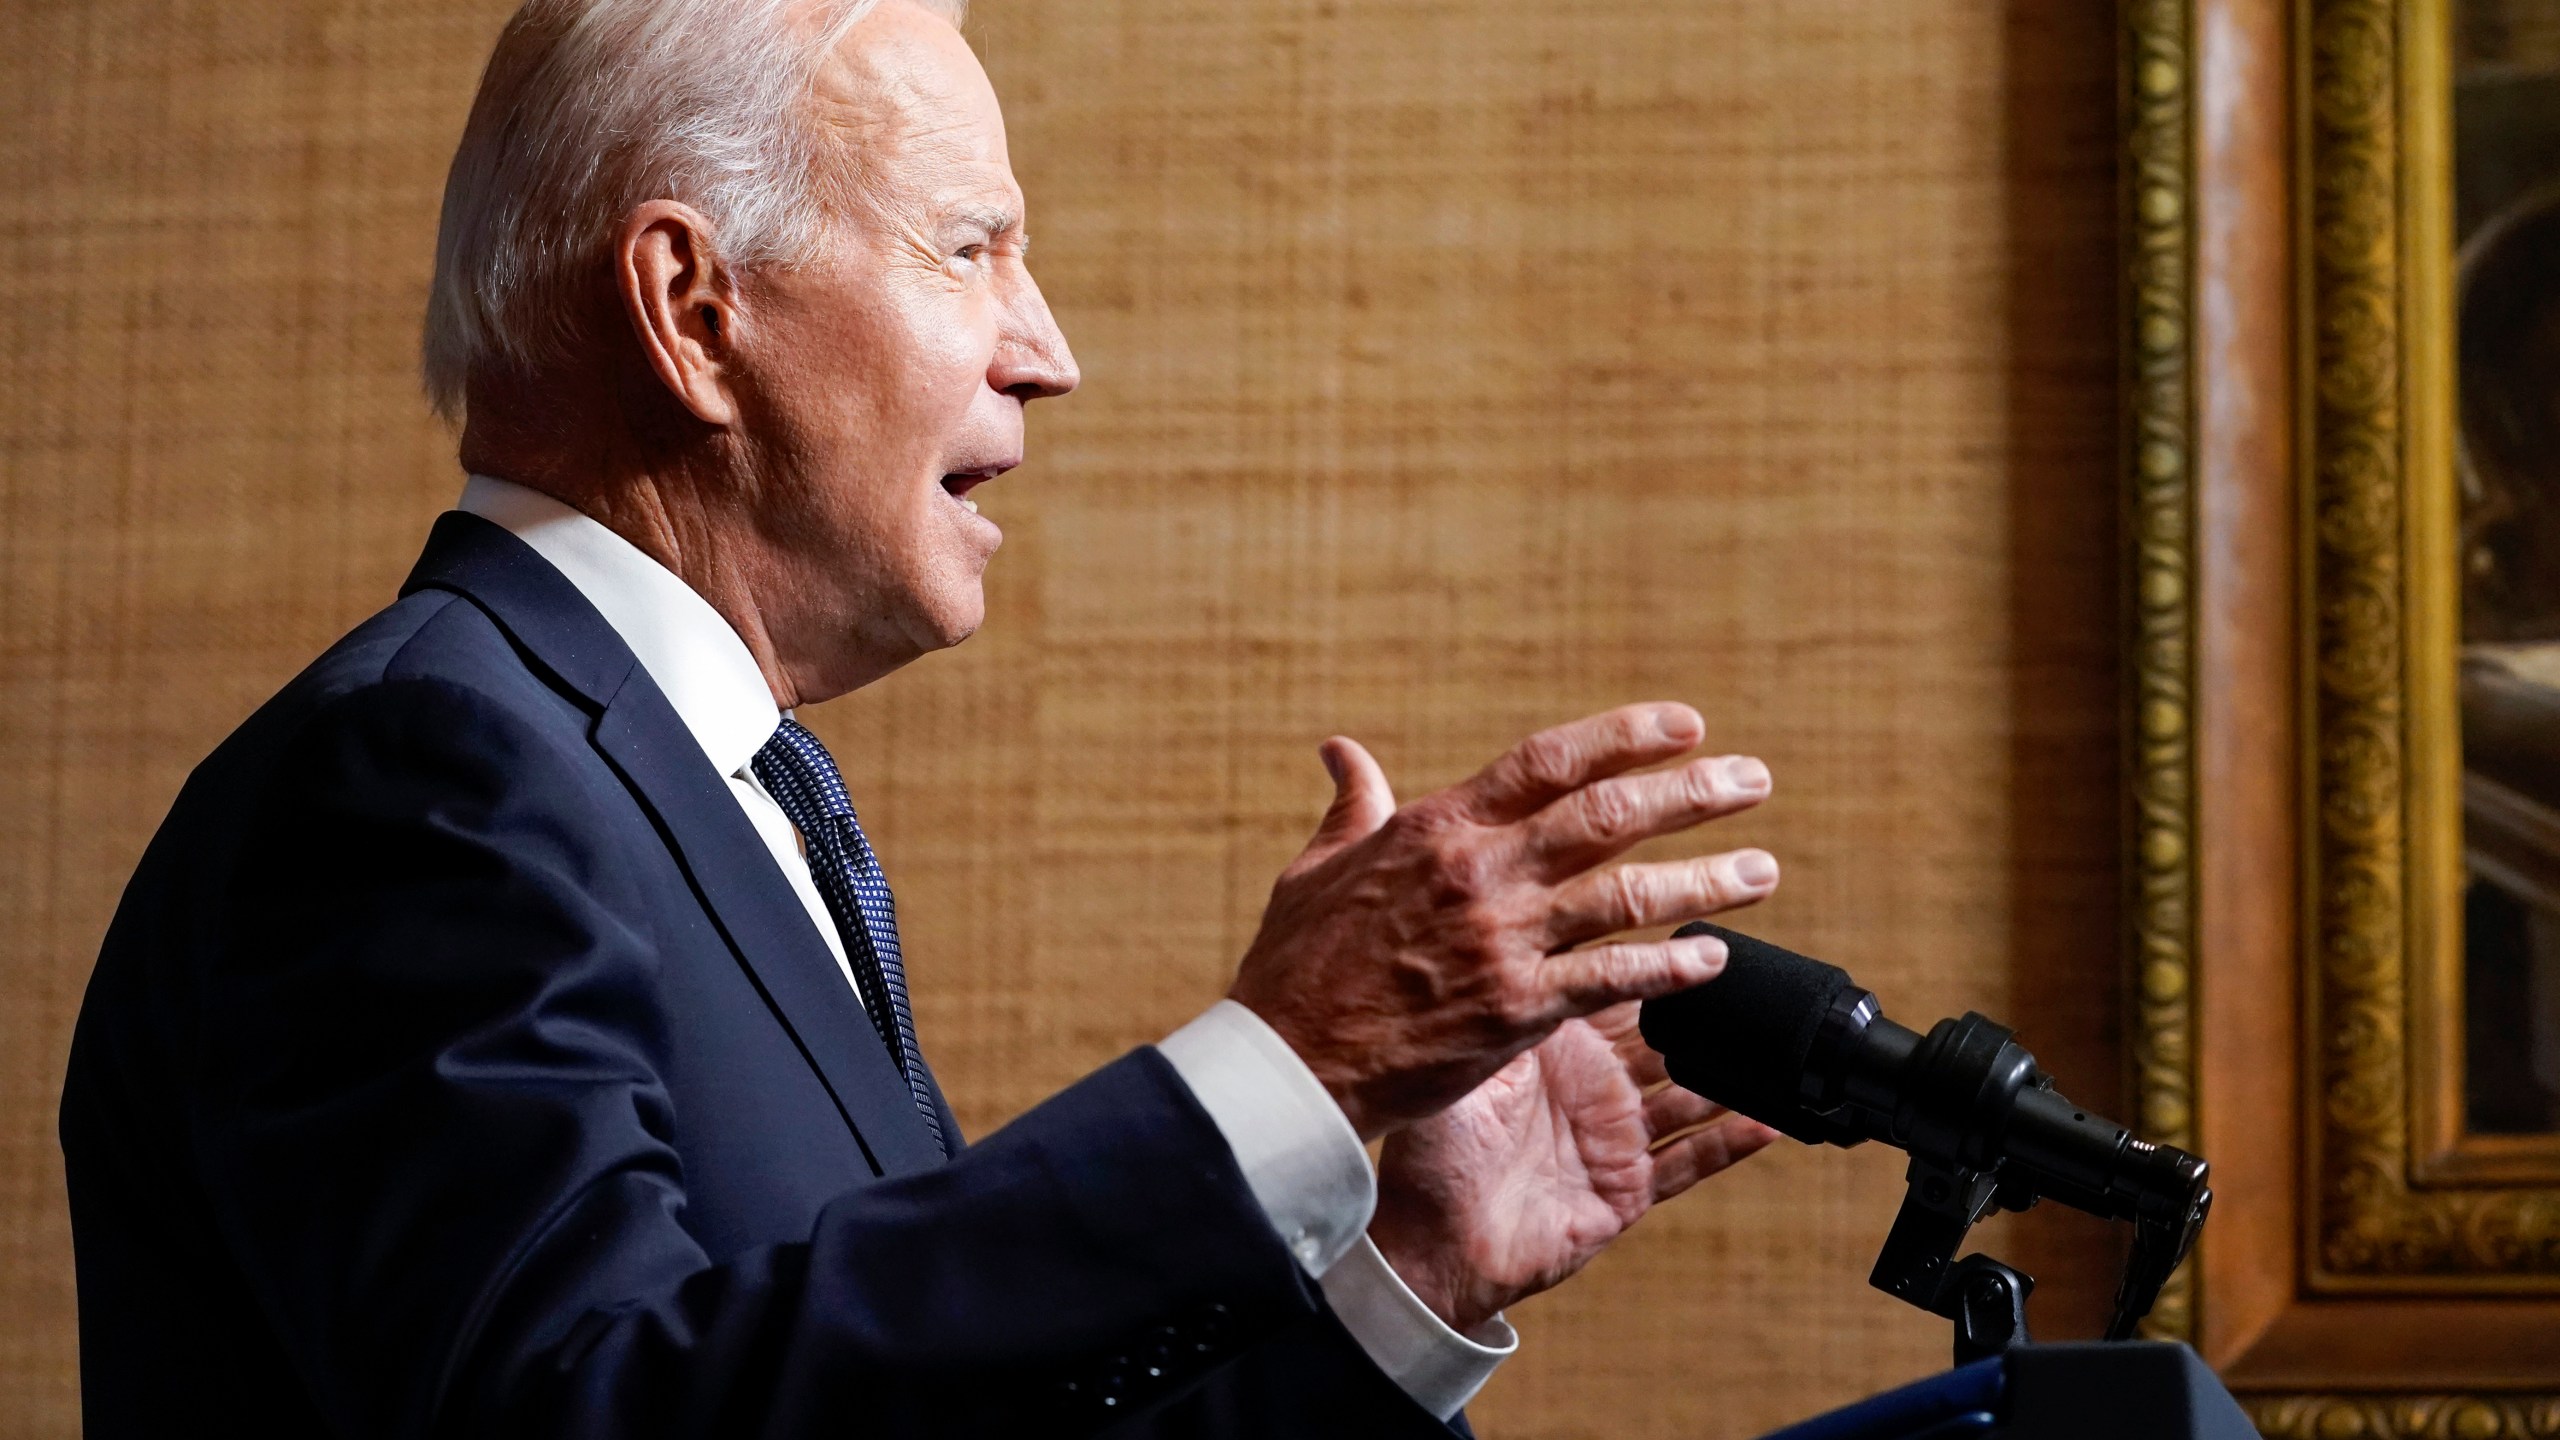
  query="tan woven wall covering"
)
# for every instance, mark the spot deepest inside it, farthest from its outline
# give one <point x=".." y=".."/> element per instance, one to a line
<point x="1451" y="369"/>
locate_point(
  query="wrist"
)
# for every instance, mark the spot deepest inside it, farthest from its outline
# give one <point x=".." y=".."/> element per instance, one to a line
<point x="1432" y="1265"/>
<point x="1343" y="1089"/>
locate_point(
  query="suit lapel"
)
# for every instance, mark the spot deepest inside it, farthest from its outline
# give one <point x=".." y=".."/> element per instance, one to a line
<point x="765" y="922"/>
<point x="640" y="735"/>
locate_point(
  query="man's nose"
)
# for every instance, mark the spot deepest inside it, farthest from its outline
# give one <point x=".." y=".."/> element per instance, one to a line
<point x="1032" y="359"/>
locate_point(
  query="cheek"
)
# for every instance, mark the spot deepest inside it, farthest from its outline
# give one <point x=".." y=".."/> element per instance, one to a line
<point x="945" y="344"/>
<point x="888" y="393"/>
<point x="895" y="375"/>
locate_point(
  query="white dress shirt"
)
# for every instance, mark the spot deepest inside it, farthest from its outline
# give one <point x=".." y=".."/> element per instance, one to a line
<point x="1300" y="1157"/>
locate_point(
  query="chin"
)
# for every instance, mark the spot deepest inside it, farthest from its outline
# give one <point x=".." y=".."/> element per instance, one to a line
<point x="955" y="618"/>
<point x="942" y="602"/>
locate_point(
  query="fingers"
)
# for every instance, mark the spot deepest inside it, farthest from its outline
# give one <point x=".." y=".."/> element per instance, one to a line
<point x="1600" y="821"/>
<point x="1362" y="800"/>
<point x="1583" y="981"/>
<point x="1670" y="1110"/>
<point x="1633" y="897"/>
<point x="1556" y="762"/>
<point x="1645" y="1065"/>
<point x="1620" y="1026"/>
<point x="1617" y="1025"/>
<point x="1681" y="1163"/>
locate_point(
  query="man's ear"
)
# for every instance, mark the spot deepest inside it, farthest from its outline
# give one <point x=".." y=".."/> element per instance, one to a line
<point x="681" y="305"/>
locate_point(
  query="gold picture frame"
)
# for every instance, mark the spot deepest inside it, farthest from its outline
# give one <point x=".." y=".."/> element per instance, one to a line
<point x="2294" y="774"/>
<point x="2384" y="761"/>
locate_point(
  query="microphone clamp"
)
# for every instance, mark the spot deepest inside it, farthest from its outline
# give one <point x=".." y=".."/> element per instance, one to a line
<point x="1793" y="1043"/>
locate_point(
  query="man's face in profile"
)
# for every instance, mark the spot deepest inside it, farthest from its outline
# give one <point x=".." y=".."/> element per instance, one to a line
<point x="886" y="381"/>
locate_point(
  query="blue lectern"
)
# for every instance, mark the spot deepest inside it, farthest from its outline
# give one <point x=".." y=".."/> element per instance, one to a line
<point x="2109" y="1391"/>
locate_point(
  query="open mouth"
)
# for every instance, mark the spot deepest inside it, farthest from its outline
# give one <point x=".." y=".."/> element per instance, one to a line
<point x="959" y="483"/>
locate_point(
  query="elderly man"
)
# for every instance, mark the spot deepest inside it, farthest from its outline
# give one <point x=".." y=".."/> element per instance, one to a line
<point x="507" y="1033"/>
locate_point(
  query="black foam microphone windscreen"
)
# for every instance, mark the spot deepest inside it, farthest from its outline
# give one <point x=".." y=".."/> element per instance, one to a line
<point x="1742" y="1039"/>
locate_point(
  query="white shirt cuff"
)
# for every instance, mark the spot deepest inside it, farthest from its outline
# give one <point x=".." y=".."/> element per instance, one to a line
<point x="1307" y="1169"/>
<point x="1441" y="1369"/>
<point x="1300" y="1157"/>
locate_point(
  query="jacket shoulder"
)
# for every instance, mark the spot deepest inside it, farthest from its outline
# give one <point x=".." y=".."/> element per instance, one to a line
<point x="428" y="691"/>
<point x="432" y="664"/>
<point x="428" y="635"/>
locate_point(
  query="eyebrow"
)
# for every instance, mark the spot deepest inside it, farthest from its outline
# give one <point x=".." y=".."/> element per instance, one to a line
<point x="992" y="219"/>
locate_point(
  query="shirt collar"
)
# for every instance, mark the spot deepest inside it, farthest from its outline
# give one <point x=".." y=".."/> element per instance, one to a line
<point x="695" y="656"/>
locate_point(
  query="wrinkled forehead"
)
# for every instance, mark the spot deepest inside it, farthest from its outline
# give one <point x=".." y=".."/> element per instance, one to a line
<point x="909" y="98"/>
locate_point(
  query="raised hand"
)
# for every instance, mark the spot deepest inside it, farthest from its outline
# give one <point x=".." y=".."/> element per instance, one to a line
<point x="1409" y="954"/>
<point x="1518" y="1185"/>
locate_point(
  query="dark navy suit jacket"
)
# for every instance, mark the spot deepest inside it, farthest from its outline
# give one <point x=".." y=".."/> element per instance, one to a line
<point x="459" y="1063"/>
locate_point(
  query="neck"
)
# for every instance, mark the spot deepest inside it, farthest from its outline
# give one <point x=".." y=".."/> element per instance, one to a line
<point x="684" y="505"/>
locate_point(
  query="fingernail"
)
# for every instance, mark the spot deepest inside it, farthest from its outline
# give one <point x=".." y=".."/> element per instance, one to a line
<point x="1678" y="722"/>
<point x="1756" y="868"/>
<point x="1332" y="763"/>
<point x="1747" y="775"/>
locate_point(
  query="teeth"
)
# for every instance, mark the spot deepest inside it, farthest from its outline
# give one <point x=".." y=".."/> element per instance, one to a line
<point x="972" y="504"/>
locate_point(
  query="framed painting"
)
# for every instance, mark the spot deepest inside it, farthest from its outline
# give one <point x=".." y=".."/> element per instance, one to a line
<point x="2343" y="522"/>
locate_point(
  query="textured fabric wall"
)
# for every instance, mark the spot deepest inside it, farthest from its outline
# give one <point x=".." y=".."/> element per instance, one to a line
<point x="1451" y="369"/>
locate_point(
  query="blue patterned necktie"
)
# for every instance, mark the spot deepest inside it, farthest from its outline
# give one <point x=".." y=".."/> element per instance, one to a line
<point x="801" y="777"/>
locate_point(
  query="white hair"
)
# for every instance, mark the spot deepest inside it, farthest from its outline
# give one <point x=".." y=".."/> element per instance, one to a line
<point x="591" y="107"/>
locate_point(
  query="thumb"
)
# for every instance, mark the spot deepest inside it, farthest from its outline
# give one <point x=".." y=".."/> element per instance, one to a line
<point x="1362" y="800"/>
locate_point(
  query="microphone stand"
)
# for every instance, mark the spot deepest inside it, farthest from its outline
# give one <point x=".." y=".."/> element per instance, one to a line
<point x="1985" y="1298"/>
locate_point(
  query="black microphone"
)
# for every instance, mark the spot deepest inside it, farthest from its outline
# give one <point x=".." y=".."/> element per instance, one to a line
<point x="1795" y="1044"/>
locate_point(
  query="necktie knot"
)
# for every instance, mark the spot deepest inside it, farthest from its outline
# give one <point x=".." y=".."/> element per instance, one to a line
<point x="795" y="760"/>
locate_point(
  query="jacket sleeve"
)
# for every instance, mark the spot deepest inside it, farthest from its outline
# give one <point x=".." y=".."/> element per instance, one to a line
<point x="431" y="1122"/>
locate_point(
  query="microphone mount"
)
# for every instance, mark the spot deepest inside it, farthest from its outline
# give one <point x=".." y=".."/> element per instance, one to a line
<point x="1983" y="1125"/>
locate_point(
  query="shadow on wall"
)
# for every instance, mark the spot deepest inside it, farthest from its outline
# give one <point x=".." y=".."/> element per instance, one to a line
<point x="2065" y="825"/>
